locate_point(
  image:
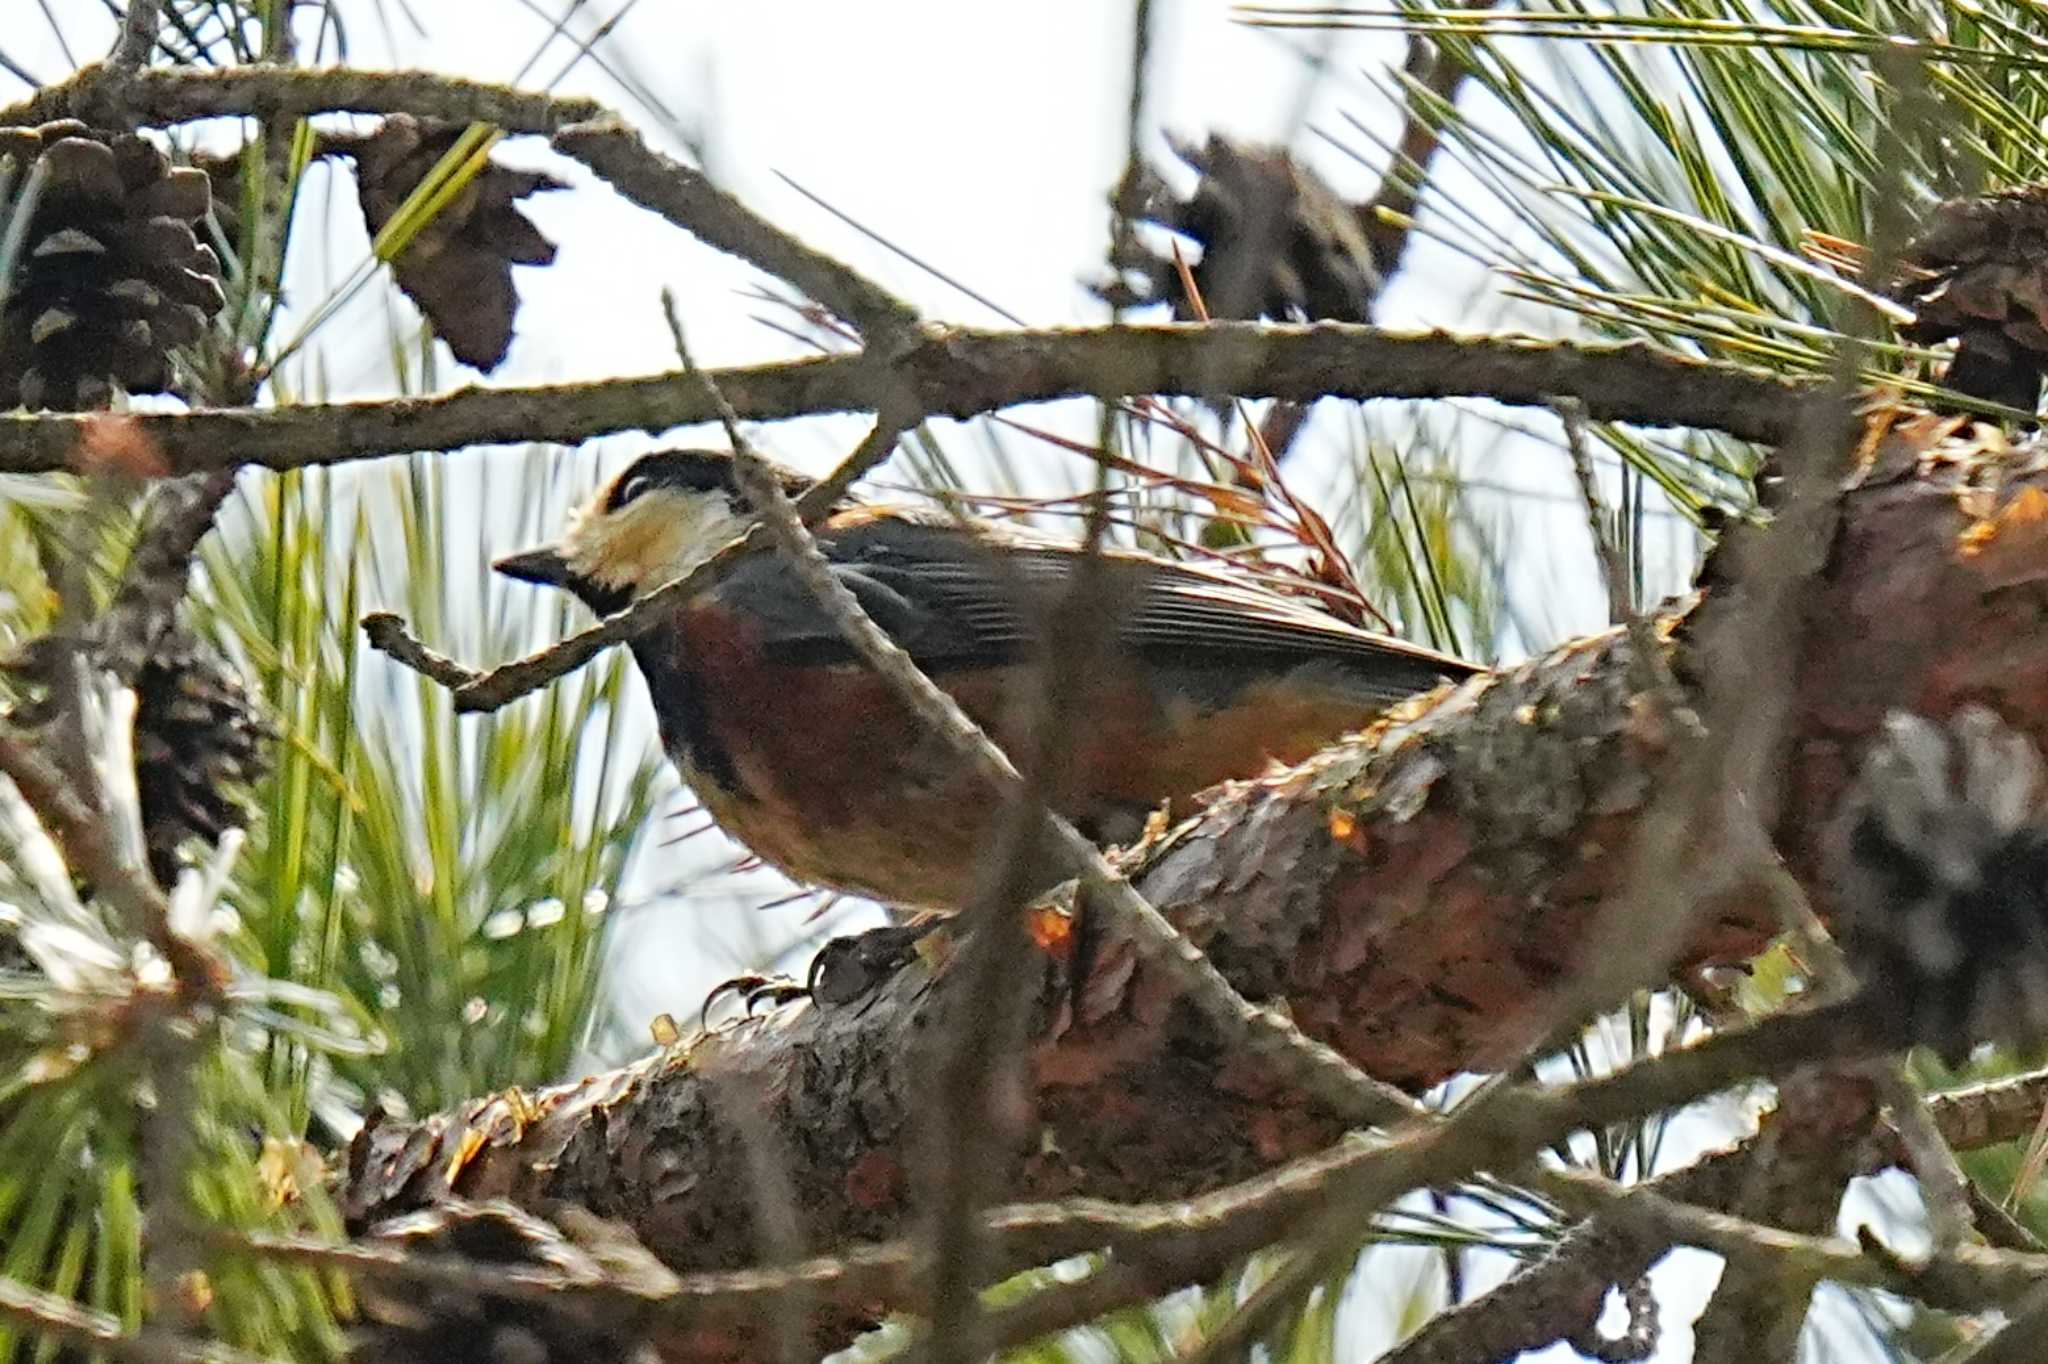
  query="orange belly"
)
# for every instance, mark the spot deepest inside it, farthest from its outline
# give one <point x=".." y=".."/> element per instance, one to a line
<point x="835" y="782"/>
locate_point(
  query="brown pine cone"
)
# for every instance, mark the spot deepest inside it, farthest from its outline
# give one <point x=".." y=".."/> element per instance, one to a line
<point x="458" y="270"/>
<point x="448" y="1324"/>
<point x="1978" y="273"/>
<point x="1276" y="241"/>
<point x="199" y="738"/>
<point x="111" y="276"/>
<point x="1940" y="867"/>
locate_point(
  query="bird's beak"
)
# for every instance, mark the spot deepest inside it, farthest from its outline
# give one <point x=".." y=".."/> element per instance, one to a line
<point x="544" y="565"/>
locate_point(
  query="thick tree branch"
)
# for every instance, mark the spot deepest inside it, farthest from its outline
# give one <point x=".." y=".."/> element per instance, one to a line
<point x="158" y="95"/>
<point x="962" y="372"/>
<point x="562" y="1147"/>
<point x="1411" y="896"/>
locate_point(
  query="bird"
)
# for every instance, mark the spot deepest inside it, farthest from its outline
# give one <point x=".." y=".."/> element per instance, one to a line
<point x="804" y="754"/>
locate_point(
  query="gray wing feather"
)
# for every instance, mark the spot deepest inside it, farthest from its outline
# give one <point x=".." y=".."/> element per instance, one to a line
<point x="952" y="600"/>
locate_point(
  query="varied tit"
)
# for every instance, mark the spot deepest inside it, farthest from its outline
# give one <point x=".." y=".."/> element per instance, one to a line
<point x="806" y="756"/>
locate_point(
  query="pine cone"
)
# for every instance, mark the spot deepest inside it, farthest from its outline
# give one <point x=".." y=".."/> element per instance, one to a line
<point x="198" y="739"/>
<point x="459" y="268"/>
<point x="459" y="1325"/>
<point x="111" y="275"/>
<point x="1276" y="241"/>
<point x="1941" y="860"/>
<point x="1978" y="273"/>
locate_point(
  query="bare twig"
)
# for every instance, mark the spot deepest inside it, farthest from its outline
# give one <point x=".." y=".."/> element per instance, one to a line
<point x="1738" y="773"/>
<point x="1614" y="575"/>
<point x="1965" y="1278"/>
<point x="1495" y="1130"/>
<point x="1798" y="1168"/>
<point x="1432" y="79"/>
<point x="138" y="35"/>
<point x="1565" y="1290"/>
<point x="1653" y="670"/>
<point x="1559" y="1295"/>
<point x="153" y="583"/>
<point x="60" y="1319"/>
<point x="963" y="373"/>
<point x="388" y="634"/>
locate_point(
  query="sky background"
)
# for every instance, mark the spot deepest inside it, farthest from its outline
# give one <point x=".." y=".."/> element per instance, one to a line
<point x="983" y="139"/>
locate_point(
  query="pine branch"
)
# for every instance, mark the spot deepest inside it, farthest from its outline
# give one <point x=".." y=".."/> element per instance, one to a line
<point x="963" y="372"/>
<point x="165" y="95"/>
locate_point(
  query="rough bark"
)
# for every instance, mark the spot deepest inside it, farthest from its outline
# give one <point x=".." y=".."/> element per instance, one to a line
<point x="1408" y="895"/>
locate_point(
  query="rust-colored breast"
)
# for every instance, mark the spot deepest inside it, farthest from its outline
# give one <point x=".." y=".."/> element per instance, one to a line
<point x="822" y="772"/>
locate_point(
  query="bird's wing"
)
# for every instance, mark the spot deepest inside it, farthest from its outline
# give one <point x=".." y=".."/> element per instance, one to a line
<point x="955" y="598"/>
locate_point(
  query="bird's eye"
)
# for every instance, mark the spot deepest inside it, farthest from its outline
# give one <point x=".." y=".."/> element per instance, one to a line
<point x="631" y="488"/>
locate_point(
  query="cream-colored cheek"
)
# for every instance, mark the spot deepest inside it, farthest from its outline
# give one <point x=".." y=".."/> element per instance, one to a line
<point x="652" y="541"/>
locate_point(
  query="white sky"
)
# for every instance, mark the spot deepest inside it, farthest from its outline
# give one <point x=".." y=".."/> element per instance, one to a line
<point x="983" y="138"/>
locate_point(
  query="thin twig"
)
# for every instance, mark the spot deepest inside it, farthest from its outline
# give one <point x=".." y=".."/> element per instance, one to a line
<point x="387" y="633"/>
<point x="1751" y="666"/>
<point x="1965" y="1278"/>
<point x="138" y="35"/>
<point x="1687" y="845"/>
<point x="145" y="604"/>
<point x="1614" y="575"/>
<point x="60" y="1319"/>
<point x="1497" y="1129"/>
<point x="1432" y="79"/>
<point x="962" y="372"/>
<point x="1647" y="659"/>
<point x="1550" y="1300"/>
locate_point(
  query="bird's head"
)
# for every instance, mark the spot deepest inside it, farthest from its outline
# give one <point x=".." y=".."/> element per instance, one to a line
<point x="662" y="516"/>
